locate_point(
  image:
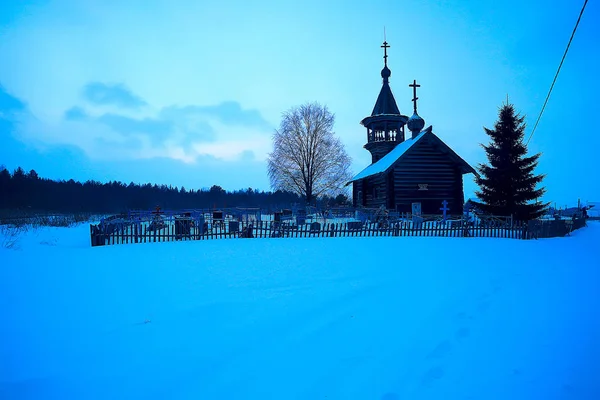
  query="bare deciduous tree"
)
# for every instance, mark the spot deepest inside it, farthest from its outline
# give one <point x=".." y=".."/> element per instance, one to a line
<point x="307" y="158"/>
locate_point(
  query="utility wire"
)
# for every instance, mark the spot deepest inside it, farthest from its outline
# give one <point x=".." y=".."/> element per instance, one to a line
<point x="557" y="72"/>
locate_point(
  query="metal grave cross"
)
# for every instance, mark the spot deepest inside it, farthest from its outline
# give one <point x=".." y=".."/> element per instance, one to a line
<point x="444" y="209"/>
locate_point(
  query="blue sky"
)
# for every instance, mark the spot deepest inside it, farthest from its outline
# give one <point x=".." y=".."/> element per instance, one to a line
<point x="189" y="92"/>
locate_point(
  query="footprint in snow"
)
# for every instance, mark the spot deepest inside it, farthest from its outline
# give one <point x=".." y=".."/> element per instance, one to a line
<point x="432" y="375"/>
<point x="495" y="284"/>
<point x="463" y="318"/>
<point x="462" y="333"/>
<point x="484" y="305"/>
<point x="441" y="350"/>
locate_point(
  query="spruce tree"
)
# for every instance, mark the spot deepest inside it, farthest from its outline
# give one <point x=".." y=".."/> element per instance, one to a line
<point x="508" y="185"/>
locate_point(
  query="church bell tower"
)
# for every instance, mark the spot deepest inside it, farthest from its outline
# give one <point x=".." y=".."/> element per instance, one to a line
<point x="385" y="125"/>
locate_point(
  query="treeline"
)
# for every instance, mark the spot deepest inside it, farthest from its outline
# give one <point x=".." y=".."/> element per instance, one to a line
<point x="26" y="191"/>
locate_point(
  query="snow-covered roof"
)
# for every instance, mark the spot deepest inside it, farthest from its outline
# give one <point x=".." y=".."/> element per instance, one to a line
<point x="594" y="211"/>
<point x="390" y="158"/>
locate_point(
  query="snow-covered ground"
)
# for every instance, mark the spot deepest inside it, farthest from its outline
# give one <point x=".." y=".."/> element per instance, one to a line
<point x="380" y="318"/>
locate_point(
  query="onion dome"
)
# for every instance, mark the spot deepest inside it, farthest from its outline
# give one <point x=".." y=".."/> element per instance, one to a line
<point x="386" y="73"/>
<point x="415" y="123"/>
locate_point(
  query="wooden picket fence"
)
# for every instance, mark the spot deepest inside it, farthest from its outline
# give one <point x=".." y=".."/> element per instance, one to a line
<point x="188" y="230"/>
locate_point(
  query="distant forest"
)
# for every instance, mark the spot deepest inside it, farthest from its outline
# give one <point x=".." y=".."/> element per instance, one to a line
<point x="28" y="192"/>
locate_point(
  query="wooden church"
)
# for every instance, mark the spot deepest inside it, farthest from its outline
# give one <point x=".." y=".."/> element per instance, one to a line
<point x="407" y="173"/>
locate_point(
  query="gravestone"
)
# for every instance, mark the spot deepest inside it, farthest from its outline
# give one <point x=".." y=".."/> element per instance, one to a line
<point x="315" y="227"/>
<point x="286" y="215"/>
<point x="201" y="225"/>
<point x="416" y="209"/>
<point x="218" y="220"/>
<point x="355" y="225"/>
<point x="416" y="216"/>
<point x="183" y="225"/>
<point x="361" y="216"/>
<point x="234" y="226"/>
<point x="301" y="218"/>
<point x="247" y="232"/>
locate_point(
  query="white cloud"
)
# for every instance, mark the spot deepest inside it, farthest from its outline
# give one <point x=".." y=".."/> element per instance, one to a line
<point x="236" y="149"/>
<point x="174" y="133"/>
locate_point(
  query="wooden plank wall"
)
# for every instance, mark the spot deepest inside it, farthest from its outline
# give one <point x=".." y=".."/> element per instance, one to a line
<point x="426" y="164"/>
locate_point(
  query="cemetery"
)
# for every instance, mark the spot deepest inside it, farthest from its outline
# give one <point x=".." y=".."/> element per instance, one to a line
<point x="246" y="223"/>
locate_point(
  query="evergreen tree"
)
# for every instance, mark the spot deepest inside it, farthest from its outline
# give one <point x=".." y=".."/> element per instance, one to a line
<point x="508" y="185"/>
<point x="27" y="191"/>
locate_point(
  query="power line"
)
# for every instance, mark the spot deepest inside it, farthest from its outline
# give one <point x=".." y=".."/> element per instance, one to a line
<point x="557" y="72"/>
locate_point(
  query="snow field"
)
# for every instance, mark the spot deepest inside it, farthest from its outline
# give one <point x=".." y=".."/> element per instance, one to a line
<point x="333" y="318"/>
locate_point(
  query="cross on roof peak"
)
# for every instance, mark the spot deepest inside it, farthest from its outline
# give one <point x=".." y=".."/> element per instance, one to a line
<point x="415" y="85"/>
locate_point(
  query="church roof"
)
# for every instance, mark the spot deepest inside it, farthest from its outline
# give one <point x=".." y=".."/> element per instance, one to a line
<point x="390" y="159"/>
<point x="386" y="104"/>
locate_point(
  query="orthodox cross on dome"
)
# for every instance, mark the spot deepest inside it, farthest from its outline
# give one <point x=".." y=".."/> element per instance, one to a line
<point x="415" y="85"/>
<point x="385" y="46"/>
